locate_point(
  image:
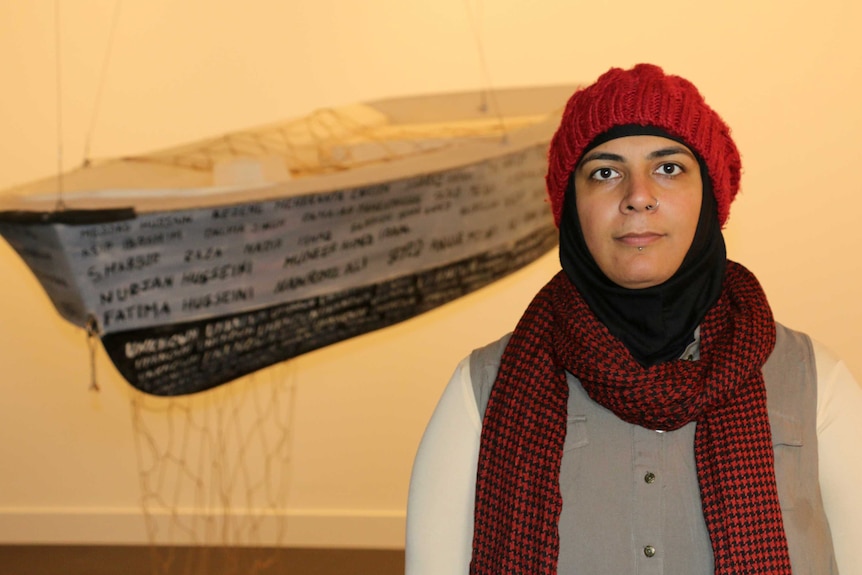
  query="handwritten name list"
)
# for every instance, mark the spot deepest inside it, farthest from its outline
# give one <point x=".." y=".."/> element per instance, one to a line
<point x="187" y="300"/>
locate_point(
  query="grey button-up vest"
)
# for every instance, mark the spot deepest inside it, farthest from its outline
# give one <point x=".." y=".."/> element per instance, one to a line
<point x="631" y="502"/>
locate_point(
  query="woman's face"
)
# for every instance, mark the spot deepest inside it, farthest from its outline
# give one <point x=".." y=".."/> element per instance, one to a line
<point x="638" y="201"/>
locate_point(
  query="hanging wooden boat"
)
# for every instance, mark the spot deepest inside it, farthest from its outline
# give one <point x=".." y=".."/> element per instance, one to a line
<point x="201" y="263"/>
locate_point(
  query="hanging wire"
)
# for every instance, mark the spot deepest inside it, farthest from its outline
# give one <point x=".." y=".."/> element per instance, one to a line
<point x="103" y="74"/>
<point x="58" y="64"/>
<point x="487" y="86"/>
<point x="92" y="328"/>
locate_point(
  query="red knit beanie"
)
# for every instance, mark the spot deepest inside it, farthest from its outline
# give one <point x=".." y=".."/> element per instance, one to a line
<point x="643" y="96"/>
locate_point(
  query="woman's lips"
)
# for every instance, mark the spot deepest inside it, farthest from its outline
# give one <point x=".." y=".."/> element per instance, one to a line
<point x="640" y="239"/>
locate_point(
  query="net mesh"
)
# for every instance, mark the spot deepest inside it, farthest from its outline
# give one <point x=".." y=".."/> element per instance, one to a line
<point x="330" y="140"/>
<point x="214" y="470"/>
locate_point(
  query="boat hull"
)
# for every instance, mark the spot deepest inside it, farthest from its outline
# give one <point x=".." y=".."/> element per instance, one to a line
<point x="185" y="300"/>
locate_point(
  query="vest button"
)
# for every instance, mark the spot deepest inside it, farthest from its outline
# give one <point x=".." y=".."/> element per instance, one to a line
<point x="649" y="477"/>
<point x="649" y="551"/>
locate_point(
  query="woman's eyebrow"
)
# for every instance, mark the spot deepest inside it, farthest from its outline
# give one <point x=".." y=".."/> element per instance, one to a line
<point x="602" y="156"/>
<point x="671" y="151"/>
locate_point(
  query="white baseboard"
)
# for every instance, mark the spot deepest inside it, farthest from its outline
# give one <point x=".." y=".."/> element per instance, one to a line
<point x="357" y="529"/>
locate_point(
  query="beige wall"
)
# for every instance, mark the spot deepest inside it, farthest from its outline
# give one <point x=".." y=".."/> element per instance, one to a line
<point x="786" y="75"/>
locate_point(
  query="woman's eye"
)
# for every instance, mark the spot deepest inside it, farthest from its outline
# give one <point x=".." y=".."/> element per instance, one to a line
<point x="669" y="169"/>
<point x="604" y="174"/>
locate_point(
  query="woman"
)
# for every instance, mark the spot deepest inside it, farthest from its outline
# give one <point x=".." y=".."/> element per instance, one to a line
<point x="647" y="415"/>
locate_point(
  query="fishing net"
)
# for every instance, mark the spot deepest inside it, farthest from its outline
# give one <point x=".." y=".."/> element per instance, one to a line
<point x="326" y="141"/>
<point x="330" y="140"/>
<point x="214" y="470"/>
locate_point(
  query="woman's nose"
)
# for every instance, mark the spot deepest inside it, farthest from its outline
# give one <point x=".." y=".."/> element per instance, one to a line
<point x="639" y="195"/>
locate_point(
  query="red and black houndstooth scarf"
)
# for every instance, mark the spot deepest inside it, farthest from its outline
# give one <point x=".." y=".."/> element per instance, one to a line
<point x="518" y="499"/>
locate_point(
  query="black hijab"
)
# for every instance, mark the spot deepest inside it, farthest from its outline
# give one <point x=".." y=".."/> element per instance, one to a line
<point x="657" y="323"/>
